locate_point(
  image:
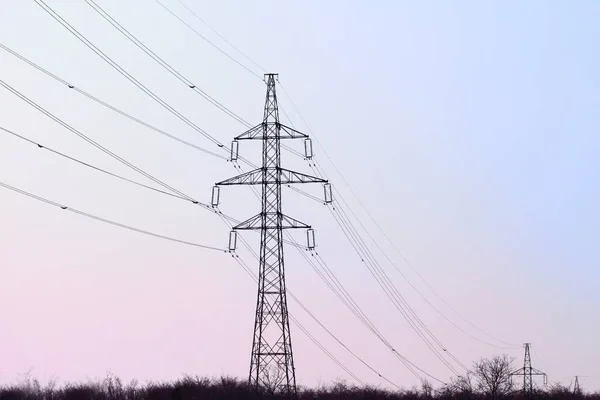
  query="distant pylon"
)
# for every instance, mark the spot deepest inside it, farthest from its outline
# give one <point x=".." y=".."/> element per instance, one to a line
<point x="576" y="388"/>
<point x="528" y="372"/>
<point x="272" y="362"/>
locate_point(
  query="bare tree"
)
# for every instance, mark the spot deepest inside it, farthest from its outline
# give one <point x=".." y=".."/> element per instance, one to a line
<point x="273" y="380"/>
<point x="493" y="375"/>
<point x="426" y="388"/>
<point x="463" y="383"/>
<point x="559" y="390"/>
<point x="459" y="387"/>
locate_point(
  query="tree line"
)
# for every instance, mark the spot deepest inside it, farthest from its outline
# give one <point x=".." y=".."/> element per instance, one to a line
<point x="488" y="379"/>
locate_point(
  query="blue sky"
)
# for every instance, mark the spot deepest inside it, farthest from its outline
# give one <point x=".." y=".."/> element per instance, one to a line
<point x="469" y="130"/>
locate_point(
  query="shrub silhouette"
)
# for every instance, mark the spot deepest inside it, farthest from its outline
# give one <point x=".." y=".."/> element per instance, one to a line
<point x="226" y="388"/>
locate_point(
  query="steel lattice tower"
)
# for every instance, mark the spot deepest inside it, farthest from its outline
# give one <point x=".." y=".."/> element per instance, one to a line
<point x="272" y="362"/>
<point x="528" y="372"/>
<point x="577" y="388"/>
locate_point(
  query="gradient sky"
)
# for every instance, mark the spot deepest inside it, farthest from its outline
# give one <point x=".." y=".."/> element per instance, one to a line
<point x="468" y="129"/>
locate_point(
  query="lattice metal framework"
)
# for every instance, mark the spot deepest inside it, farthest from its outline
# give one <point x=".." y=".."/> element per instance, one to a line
<point x="577" y="387"/>
<point x="528" y="372"/>
<point x="272" y="363"/>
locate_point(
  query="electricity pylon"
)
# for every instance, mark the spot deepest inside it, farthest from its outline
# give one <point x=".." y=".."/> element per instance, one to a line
<point x="577" y="388"/>
<point x="528" y="372"/>
<point x="272" y="362"/>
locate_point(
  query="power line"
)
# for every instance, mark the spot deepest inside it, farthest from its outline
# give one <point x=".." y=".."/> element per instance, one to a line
<point x="357" y="237"/>
<point x="123" y="113"/>
<point x="107" y="221"/>
<point x="132" y="38"/>
<point x="390" y="290"/>
<point x="511" y="346"/>
<point x="43" y="147"/>
<point x="131" y="228"/>
<point x="341" y="343"/>
<point x="437" y="310"/>
<point x="89" y="140"/>
<point x="141" y="45"/>
<point x="420" y="277"/>
<point x="408" y="364"/>
<point x="338" y="289"/>
<point x="208" y="41"/>
<point x="105" y="104"/>
<point x="156" y="58"/>
<point x="79" y="212"/>
<point x="214" y="210"/>
<point x="303" y="193"/>
<point x="88" y="2"/>
<point x="106" y="16"/>
<point x="123" y="72"/>
<point x="221" y="36"/>
<point x="88" y="215"/>
<point x="404" y="277"/>
<point x="410" y="311"/>
<point x="271" y="81"/>
<point x="412" y="317"/>
<point x="88" y="165"/>
<point x="388" y="238"/>
<point x="336" y="338"/>
<point x="386" y="284"/>
<point x="388" y="287"/>
<point x="142" y="87"/>
<point x="354" y="308"/>
<point x="403" y="306"/>
<point x="112" y="222"/>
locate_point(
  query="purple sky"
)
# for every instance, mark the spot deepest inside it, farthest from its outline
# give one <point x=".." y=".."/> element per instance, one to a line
<point x="469" y="131"/>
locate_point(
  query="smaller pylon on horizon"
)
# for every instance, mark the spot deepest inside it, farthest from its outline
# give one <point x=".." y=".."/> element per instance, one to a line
<point x="576" y="387"/>
<point x="528" y="372"/>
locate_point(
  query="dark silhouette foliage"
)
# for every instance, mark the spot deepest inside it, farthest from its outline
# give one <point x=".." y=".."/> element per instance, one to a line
<point x="467" y="387"/>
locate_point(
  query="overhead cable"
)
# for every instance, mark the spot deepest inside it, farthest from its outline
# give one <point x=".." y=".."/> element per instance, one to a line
<point x="162" y="62"/>
<point x="107" y="221"/>
<point x="86" y="164"/>
<point x="212" y="209"/>
<point x="392" y="292"/>
<point x="409" y="365"/>
<point x="391" y="242"/>
<point x="337" y="288"/>
<point x="437" y="310"/>
<point x="414" y="321"/>
<point x="123" y="72"/>
<point x="107" y="105"/>
<point x="208" y="41"/>
<point x="89" y="140"/>
<point x="221" y="36"/>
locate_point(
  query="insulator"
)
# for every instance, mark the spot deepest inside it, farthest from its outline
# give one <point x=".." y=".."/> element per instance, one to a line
<point x="232" y="240"/>
<point x="235" y="147"/>
<point x="545" y="379"/>
<point x="216" y="195"/>
<point x="328" y="193"/>
<point x="310" y="239"/>
<point x="308" y="148"/>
